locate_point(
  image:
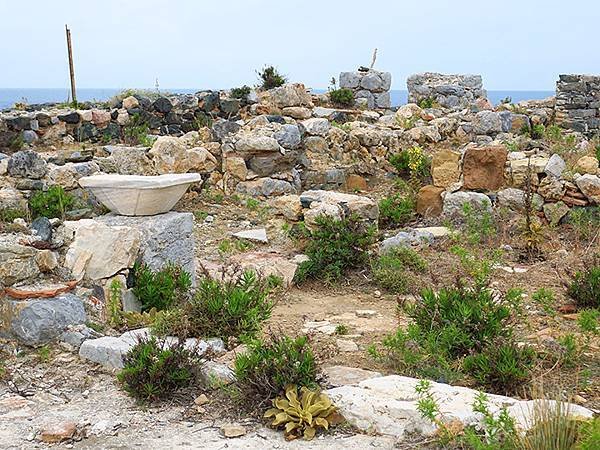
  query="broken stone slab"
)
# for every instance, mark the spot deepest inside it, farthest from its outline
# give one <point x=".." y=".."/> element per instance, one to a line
<point x="36" y="322"/>
<point x="389" y="406"/>
<point x="163" y="238"/>
<point x="214" y="373"/>
<point x="259" y="235"/>
<point x="454" y="203"/>
<point x="350" y="204"/>
<point x="321" y="326"/>
<point x="108" y="351"/>
<point x="137" y="195"/>
<point x="343" y="375"/>
<point x="411" y="238"/>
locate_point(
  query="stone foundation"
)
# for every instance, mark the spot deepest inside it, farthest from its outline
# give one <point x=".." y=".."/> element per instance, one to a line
<point x="448" y="91"/>
<point x="371" y="89"/>
<point x="578" y="103"/>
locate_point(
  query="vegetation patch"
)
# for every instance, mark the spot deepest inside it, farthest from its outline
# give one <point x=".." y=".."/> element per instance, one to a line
<point x="160" y="289"/>
<point x="342" y="97"/>
<point x="54" y="202"/>
<point x="270" y="78"/>
<point x="394" y="271"/>
<point x="585" y="287"/>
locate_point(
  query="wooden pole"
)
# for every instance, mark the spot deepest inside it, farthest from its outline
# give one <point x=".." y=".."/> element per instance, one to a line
<point x="71" y="68"/>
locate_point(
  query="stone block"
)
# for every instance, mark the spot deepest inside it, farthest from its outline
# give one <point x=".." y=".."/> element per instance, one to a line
<point x="483" y="168"/>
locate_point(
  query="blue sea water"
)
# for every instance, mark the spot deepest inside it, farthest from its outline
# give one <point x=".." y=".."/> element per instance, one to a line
<point x="9" y="96"/>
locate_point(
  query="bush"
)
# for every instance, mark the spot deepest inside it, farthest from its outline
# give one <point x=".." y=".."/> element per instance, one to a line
<point x="391" y="271"/>
<point x="585" y="221"/>
<point x="397" y="209"/>
<point x="136" y="132"/>
<point x="343" y="97"/>
<point x="8" y="215"/>
<point x="235" y="307"/>
<point x="52" y="203"/>
<point x="153" y="370"/>
<point x="241" y="92"/>
<point x="335" y="247"/>
<point x="426" y="103"/>
<point x="271" y="78"/>
<point x="160" y="289"/>
<point x="268" y="366"/>
<point x="585" y="288"/>
<point x="502" y="366"/>
<point x="412" y="162"/>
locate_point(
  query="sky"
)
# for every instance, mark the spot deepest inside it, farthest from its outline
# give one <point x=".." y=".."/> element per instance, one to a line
<point x="208" y="44"/>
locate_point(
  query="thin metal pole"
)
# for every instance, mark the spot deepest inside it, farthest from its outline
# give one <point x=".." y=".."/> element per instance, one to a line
<point x="71" y="68"/>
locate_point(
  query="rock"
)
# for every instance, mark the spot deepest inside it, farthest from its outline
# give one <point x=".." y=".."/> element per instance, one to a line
<point x="171" y="156"/>
<point x="107" y="351"/>
<point x="266" y="264"/>
<point x="60" y="432"/>
<point x="17" y="262"/>
<point x="256" y="144"/>
<point x="437" y="232"/>
<point x="163" y="238"/>
<point x="487" y="122"/>
<point x="236" y="166"/>
<point x="290" y="95"/>
<point x="555" y="166"/>
<point x="445" y="168"/>
<point x="346" y="345"/>
<point x="425" y="134"/>
<point x="356" y="183"/>
<point x="223" y="128"/>
<point x="27" y="164"/>
<point x="201" y="400"/>
<point x="297" y="112"/>
<point x="412" y="238"/>
<point x="316" y="126"/>
<point x="233" y="431"/>
<point x="454" y="202"/>
<point x="347" y="204"/>
<point x="429" y="201"/>
<point x="587" y="165"/>
<point x="100" y="251"/>
<point x="551" y="189"/>
<point x="230" y="106"/>
<point x="46" y="261"/>
<point x="39" y="290"/>
<point x="514" y="199"/>
<point x="483" y="168"/>
<point x="289" y="136"/>
<point x="289" y="206"/>
<point x="518" y="169"/>
<point x="162" y="105"/>
<point x="554" y="212"/>
<point x="29" y="136"/>
<point x="389" y="406"/>
<point x="213" y="373"/>
<point x="259" y="235"/>
<point x="130" y="102"/>
<point x="590" y="186"/>
<point x="75" y="335"/>
<point x="43" y="228"/>
<point x="320" y="326"/>
<point x="11" y="198"/>
<point x="38" y="321"/>
<point x="342" y="375"/>
<point x="265" y="187"/>
<point x="132" y="161"/>
<point x="70" y="118"/>
<point x="100" y="118"/>
<point x="68" y="174"/>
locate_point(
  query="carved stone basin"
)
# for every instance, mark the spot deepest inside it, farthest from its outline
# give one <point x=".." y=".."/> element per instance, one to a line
<point x="135" y="195"/>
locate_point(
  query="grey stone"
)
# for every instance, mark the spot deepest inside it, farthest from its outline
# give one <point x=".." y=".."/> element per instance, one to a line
<point x="74" y="335"/>
<point x="213" y="373"/>
<point x="590" y="186"/>
<point x="289" y="136"/>
<point x="350" y="80"/>
<point x="556" y="166"/>
<point x="257" y="144"/>
<point x="454" y="201"/>
<point x="259" y="235"/>
<point x="514" y="199"/>
<point x="107" y="351"/>
<point x="38" y="321"/>
<point x="43" y="228"/>
<point x="316" y="126"/>
<point x="342" y="375"/>
<point x="487" y="122"/>
<point x="30" y="136"/>
<point x="130" y="302"/>
<point x="27" y="164"/>
<point x="555" y="212"/>
<point x="223" y="128"/>
<point x="164" y="238"/>
<point x="17" y="261"/>
<point x="132" y="161"/>
<point x="412" y="238"/>
<point x="383" y="100"/>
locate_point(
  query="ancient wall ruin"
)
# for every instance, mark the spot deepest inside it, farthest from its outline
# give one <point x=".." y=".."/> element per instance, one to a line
<point x="371" y="88"/>
<point x="578" y="103"/>
<point x="447" y="91"/>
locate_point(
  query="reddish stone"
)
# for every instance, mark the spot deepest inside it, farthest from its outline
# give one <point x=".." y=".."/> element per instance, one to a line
<point x="483" y="167"/>
<point x="567" y="309"/>
<point x="356" y="183"/>
<point x="58" y="433"/>
<point x="429" y="201"/>
<point x="40" y="293"/>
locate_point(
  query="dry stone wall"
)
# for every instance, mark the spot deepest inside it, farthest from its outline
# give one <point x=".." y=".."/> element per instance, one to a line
<point x="578" y="103"/>
<point x="448" y="91"/>
<point x="371" y="88"/>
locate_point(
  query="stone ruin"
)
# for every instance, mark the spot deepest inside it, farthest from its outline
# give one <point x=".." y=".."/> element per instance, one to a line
<point x="371" y="88"/>
<point x="448" y="91"/>
<point x="578" y="103"/>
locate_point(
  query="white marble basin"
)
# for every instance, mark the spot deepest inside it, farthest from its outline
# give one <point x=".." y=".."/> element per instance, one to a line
<point x="136" y="195"/>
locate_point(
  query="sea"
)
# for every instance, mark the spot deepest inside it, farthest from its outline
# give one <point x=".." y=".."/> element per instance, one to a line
<point x="10" y="96"/>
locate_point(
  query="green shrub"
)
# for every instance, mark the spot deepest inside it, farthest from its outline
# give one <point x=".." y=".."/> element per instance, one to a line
<point x="538" y="131"/>
<point x="136" y="132"/>
<point x="241" y="92"/>
<point x="426" y="103"/>
<point x="585" y="221"/>
<point x="154" y="370"/>
<point x="269" y="365"/>
<point x="501" y="366"/>
<point x="160" y="289"/>
<point x="412" y="162"/>
<point x="8" y="215"/>
<point x="397" y="209"/>
<point x="597" y="152"/>
<point x="545" y="298"/>
<point x="343" y="97"/>
<point x="52" y="203"/>
<point x="335" y="247"/>
<point x="270" y="78"/>
<point x="392" y="271"/>
<point x="589" y="321"/>
<point x="233" y="307"/>
<point x="585" y="288"/>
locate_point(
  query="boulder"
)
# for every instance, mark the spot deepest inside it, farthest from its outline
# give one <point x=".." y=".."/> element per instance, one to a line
<point x="42" y="228"/>
<point x="130" y="102"/>
<point x="343" y="376"/>
<point x="256" y="144"/>
<point x="170" y="155"/>
<point x="27" y="164"/>
<point x="38" y="321"/>
<point x="100" y="251"/>
<point x="11" y="198"/>
<point x="17" y="261"/>
<point x="519" y="168"/>
<point x="514" y="199"/>
<point x="288" y="136"/>
<point x="483" y="167"/>
<point x="429" y="201"/>
<point x="551" y="189"/>
<point x="454" y="203"/>
<point x="132" y="161"/>
<point x="587" y="165"/>
<point x="590" y="186"/>
<point x="350" y="204"/>
<point x="554" y="212"/>
<point x="411" y="238"/>
<point x="487" y="122"/>
<point x="236" y="166"/>
<point x="290" y="95"/>
<point x="265" y="187"/>
<point x="555" y="166"/>
<point x="289" y="206"/>
<point x="316" y="126"/>
<point x="297" y="112"/>
<point x="68" y="174"/>
<point x="445" y="168"/>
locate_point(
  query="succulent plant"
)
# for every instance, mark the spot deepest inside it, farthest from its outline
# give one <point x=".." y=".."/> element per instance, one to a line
<point x="301" y="417"/>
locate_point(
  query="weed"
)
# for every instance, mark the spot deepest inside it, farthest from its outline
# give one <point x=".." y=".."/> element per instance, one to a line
<point x="252" y="204"/>
<point x="392" y="270"/>
<point x="336" y="246"/>
<point x="160" y="289"/>
<point x="585" y="287"/>
<point x="44" y="353"/>
<point x="136" y="132"/>
<point x="154" y="369"/>
<point x="270" y="78"/>
<point x="589" y="321"/>
<point x="585" y="221"/>
<point x="52" y="203"/>
<point x="341" y="329"/>
<point x="397" y="209"/>
<point x="342" y="126"/>
<point x="571" y="350"/>
<point x="429" y="102"/>
<point x="200" y="215"/>
<point x="545" y="298"/>
<point x="342" y="97"/>
<point x="114" y="304"/>
<point x="479" y="224"/>
<point x="270" y="364"/>
<point x="412" y="162"/>
<point x="8" y="215"/>
<point x="241" y="92"/>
